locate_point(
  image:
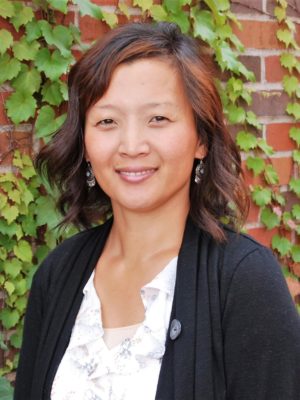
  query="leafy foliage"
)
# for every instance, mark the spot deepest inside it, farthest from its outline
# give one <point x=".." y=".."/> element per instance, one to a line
<point x="35" y="66"/>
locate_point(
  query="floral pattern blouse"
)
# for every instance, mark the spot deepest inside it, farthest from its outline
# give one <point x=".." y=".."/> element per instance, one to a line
<point x="89" y="370"/>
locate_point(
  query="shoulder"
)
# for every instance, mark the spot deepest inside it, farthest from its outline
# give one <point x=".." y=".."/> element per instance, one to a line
<point x="61" y="259"/>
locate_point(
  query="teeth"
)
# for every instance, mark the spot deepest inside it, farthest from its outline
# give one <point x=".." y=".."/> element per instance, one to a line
<point x="136" y="173"/>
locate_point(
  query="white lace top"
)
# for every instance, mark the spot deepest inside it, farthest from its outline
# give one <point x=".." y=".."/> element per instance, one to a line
<point x="89" y="370"/>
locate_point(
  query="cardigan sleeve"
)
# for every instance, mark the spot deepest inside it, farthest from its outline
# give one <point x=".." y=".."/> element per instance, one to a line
<point x="31" y="335"/>
<point x="261" y="332"/>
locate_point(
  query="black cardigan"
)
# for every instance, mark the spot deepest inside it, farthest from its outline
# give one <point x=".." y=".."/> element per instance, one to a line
<point x="240" y="337"/>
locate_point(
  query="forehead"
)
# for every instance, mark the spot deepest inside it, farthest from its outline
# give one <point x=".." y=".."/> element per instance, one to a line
<point x="149" y="80"/>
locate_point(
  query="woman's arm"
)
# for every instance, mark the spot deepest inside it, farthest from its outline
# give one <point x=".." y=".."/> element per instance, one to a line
<point x="261" y="333"/>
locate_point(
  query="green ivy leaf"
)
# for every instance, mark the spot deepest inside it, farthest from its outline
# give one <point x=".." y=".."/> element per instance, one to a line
<point x="23" y="251"/>
<point x="125" y="10"/>
<point x="33" y="31"/>
<point x="29" y="225"/>
<point x="172" y="6"/>
<point x="271" y="175"/>
<point x="12" y="267"/>
<point x="21" y="287"/>
<point x="53" y="65"/>
<point x="236" y="115"/>
<point x="28" y="172"/>
<point x="22" y="15"/>
<point x="290" y="84"/>
<point x="295" y="135"/>
<point x="46" y="123"/>
<point x="52" y="93"/>
<point x="296" y="156"/>
<point x="181" y="20"/>
<point x="15" y="196"/>
<point x="60" y="36"/>
<point x="252" y="120"/>
<point x="9" y="318"/>
<point x="110" y="18"/>
<point x="20" y="107"/>
<point x="24" y="50"/>
<point x="88" y="8"/>
<point x="280" y="13"/>
<point x="281" y="244"/>
<point x="60" y="5"/>
<point x="6" y="40"/>
<point x="158" y="13"/>
<point x="16" y="338"/>
<point x="3" y="200"/>
<point x="289" y="61"/>
<point x="12" y="229"/>
<point x="269" y="218"/>
<point x="204" y="26"/>
<point x="294" y="110"/>
<point x="46" y="212"/>
<point x="256" y="164"/>
<point x="6" y="9"/>
<point x="261" y="196"/>
<point x="143" y="4"/>
<point x="296" y="211"/>
<point x="9" y="68"/>
<point x="6" y="390"/>
<point x="9" y="287"/>
<point x="285" y="36"/>
<point x="295" y="186"/>
<point x="28" y="80"/>
<point x="295" y="252"/>
<point x="263" y="145"/>
<point x="246" y="141"/>
<point x="10" y="213"/>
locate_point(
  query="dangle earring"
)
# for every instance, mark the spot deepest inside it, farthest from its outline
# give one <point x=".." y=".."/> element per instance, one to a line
<point x="199" y="171"/>
<point x="90" y="177"/>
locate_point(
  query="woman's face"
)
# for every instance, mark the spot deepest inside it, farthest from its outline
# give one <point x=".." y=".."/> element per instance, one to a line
<point x="141" y="139"/>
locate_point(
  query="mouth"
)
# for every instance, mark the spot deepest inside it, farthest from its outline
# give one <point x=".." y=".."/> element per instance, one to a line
<point x="135" y="174"/>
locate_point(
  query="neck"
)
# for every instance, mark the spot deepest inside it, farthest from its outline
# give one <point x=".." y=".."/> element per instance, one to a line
<point x="137" y="237"/>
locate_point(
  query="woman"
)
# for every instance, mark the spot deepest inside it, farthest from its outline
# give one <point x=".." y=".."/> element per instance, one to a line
<point x="162" y="301"/>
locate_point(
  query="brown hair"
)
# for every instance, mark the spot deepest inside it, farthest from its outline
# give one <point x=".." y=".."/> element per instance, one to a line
<point x="221" y="193"/>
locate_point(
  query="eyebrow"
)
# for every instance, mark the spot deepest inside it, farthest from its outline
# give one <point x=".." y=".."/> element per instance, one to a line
<point x="147" y="105"/>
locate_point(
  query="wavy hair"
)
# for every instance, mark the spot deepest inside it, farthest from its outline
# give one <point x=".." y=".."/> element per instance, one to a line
<point x="222" y="192"/>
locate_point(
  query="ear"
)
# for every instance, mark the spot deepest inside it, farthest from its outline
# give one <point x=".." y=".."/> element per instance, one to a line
<point x="201" y="151"/>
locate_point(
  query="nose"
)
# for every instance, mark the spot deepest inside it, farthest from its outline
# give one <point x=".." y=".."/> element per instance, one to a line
<point x="133" y="141"/>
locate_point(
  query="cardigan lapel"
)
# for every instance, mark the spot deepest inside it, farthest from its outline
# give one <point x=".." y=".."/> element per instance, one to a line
<point x="177" y="370"/>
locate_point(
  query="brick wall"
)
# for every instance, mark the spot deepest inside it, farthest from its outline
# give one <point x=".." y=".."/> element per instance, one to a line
<point x="261" y="55"/>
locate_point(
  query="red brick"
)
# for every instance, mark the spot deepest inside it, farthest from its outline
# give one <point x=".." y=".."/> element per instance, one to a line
<point x="258" y="34"/>
<point x="269" y="103"/>
<point x="64" y="19"/>
<point x="263" y="235"/>
<point x="284" y="168"/>
<point x="246" y="6"/>
<point x="274" y="71"/>
<point x="5" y="153"/>
<point x="253" y="213"/>
<point x="253" y="63"/>
<point x="92" y="29"/>
<point x="4" y="24"/>
<point x="3" y="117"/>
<point x="250" y="178"/>
<point x="278" y="136"/>
<point x="294" y="287"/>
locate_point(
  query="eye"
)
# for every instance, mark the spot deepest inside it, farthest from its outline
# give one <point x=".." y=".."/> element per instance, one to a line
<point x="106" y="122"/>
<point x="159" y="118"/>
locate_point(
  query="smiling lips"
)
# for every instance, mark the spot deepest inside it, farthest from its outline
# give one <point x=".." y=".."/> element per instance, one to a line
<point x="135" y="174"/>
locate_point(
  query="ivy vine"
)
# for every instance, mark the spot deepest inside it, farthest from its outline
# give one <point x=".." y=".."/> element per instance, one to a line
<point x="36" y="52"/>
